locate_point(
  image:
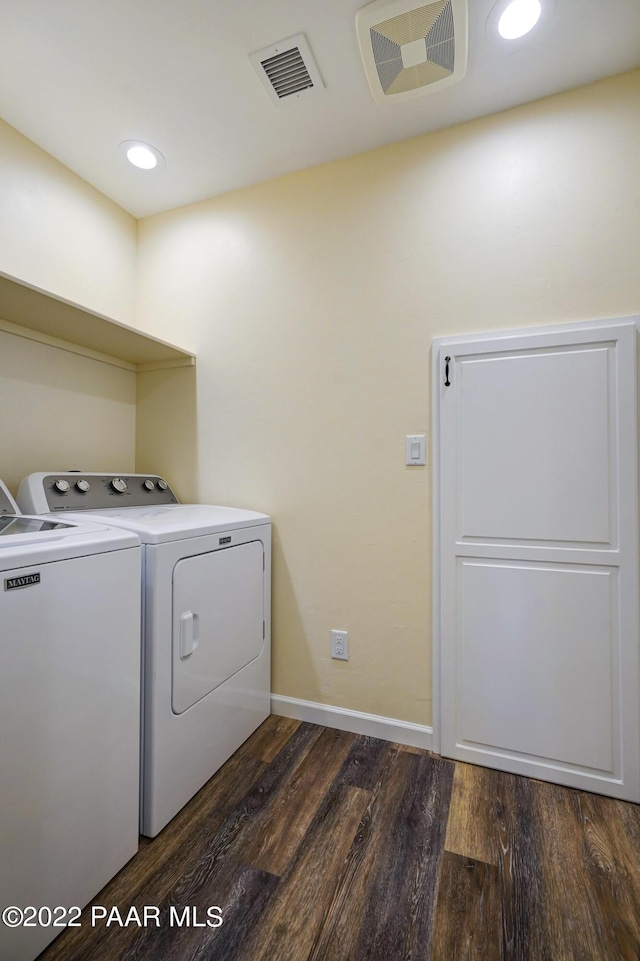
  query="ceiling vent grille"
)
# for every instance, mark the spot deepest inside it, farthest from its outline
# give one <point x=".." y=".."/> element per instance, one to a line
<point x="411" y="48"/>
<point x="287" y="70"/>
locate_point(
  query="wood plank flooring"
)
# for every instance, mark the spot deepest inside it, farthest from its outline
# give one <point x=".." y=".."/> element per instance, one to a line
<point x="319" y="845"/>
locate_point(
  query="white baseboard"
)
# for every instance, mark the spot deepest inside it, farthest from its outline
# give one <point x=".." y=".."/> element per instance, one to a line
<point x="387" y="728"/>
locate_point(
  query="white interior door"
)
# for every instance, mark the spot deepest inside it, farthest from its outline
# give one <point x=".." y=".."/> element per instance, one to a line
<point x="537" y="554"/>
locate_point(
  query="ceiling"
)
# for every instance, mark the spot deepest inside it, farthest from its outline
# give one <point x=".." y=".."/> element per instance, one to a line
<point x="78" y="77"/>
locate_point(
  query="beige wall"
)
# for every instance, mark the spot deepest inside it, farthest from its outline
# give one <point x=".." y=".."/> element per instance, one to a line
<point x="61" y="411"/>
<point x="60" y="234"/>
<point x="311" y="302"/>
<point x="166" y="428"/>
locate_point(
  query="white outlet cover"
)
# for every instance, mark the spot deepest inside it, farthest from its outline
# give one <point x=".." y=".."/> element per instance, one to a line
<point x="340" y="645"/>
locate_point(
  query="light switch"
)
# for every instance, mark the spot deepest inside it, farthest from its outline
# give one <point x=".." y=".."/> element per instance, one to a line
<point x="415" y="450"/>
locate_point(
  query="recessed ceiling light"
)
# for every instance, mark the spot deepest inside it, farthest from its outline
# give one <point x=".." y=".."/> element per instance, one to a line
<point x="519" y="18"/>
<point x="142" y="155"/>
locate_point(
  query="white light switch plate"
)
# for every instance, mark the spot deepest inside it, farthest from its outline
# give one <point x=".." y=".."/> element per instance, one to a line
<point x="416" y="450"/>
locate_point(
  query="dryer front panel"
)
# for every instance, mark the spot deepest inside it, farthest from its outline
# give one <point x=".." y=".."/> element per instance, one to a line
<point x="218" y="619"/>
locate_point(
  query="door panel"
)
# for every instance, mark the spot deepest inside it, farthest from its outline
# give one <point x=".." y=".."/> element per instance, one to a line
<point x="534" y="446"/>
<point x="218" y="619"/>
<point x="537" y="559"/>
<point x="538" y="648"/>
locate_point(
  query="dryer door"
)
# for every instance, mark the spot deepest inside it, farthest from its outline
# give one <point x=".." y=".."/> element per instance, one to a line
<point x="218" y="619"/>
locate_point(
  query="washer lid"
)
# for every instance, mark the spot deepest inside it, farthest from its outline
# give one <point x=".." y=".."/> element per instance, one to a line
<point x="26" y="541"/>
<point x="174" y="522"/>
<point x="12" y="524"/>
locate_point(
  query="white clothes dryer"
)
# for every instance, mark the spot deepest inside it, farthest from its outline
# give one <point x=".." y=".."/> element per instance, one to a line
<point x="206" y="623"/>
<point x="70" y="718"/>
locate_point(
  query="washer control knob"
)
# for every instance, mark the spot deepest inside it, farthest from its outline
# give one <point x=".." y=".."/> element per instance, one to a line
<point x="62" y="486"/>
<point x="162" y="485"/>
<point x="148" y="485"/>
<point x="119" y="485"/>
<point x="83" y="486"/>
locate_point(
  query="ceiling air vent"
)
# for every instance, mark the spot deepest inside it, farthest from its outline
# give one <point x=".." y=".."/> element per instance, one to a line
<point x="411" y="48"/>
<point x="287" y="70"/>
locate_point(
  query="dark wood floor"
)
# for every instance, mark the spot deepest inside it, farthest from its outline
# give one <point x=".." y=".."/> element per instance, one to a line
<point x="324" y="846"/>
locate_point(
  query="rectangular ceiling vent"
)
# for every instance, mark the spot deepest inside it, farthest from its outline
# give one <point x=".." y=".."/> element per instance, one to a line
<point x="287" y="70"/>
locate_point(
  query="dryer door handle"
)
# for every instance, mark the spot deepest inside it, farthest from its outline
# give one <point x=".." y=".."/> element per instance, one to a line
<point x="188" y="634"/>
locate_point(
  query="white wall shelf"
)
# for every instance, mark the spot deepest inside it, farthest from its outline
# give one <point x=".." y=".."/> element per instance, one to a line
<point x="37" y="315"/>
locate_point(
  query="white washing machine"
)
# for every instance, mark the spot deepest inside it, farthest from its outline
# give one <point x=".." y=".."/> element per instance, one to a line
<point x="206" y="623"/>
<point x="69" y="715"/>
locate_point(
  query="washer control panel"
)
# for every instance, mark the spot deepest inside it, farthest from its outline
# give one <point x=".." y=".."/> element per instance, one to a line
<point x="95" y="492"/>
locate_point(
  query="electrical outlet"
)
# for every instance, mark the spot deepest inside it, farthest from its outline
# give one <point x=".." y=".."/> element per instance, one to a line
<point x="340" y="645"/>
